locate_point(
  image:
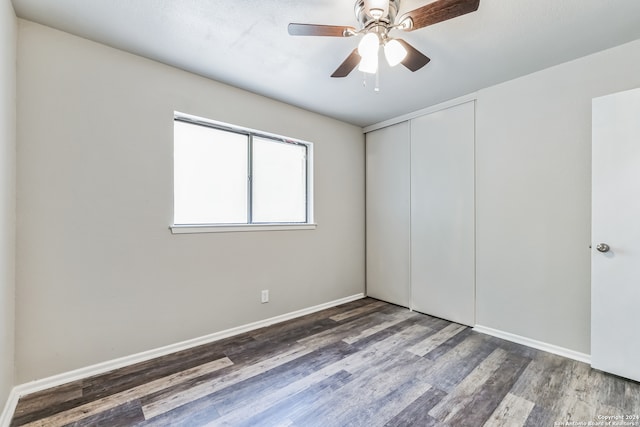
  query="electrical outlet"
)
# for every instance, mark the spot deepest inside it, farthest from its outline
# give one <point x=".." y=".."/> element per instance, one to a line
<point x="265" y="296"/>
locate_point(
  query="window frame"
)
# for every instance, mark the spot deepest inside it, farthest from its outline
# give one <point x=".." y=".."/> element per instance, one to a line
<point x="249" y="226"/>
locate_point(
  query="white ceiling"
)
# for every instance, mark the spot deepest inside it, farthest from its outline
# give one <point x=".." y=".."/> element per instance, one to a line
<point x="245" y="43"/>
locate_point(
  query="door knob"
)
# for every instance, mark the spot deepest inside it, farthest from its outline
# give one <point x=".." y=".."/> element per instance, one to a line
<point x="603" y="247"/>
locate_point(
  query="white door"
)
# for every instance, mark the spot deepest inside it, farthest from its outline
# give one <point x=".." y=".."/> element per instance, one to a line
<point x="388" y="211"/>
<point x="615" y="233"/>
<point x="443" y="214"/>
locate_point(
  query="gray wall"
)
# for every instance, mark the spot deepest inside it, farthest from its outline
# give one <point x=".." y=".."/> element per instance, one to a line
<point x="99" y="275"/>
<point x="8" y="40"/>
<point x="534" y="196"/>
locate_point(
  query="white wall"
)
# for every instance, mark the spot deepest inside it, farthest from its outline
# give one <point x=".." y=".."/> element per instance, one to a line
<point x="534" y="196"/>
<point x="8" y="40"/>
<point x="99" y="275"/>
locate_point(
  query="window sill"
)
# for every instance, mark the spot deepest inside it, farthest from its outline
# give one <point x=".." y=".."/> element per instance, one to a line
<point x="191" y="229"/>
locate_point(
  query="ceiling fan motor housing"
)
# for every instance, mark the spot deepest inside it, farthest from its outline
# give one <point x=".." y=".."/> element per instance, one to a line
<point x="367" y="21"/>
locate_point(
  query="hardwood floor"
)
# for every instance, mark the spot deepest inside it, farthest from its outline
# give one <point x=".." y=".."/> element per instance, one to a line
<point x="366" y="363"/>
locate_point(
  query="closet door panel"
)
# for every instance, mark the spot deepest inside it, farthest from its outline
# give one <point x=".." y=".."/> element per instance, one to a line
<point x="442" y="214"/>
<point x="388" y="214"/>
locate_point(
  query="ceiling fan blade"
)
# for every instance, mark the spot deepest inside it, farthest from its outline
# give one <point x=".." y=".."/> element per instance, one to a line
<point x="438" y="11"/>
<point x="320" y="30"/>
<point x="348" y="65"/>
<point x="414" y="59"/>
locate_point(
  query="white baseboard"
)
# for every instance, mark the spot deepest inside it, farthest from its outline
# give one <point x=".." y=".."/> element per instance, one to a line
<point x="9" y="408"/>
<point x="99" y="368"/>
<point x="550" y="348"/>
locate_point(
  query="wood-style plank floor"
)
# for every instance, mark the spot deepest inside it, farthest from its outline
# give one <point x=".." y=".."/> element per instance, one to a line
<point x="365" y="363"/>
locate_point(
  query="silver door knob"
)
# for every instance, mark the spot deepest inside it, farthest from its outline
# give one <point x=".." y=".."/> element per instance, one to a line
<point x="603" y="247"/>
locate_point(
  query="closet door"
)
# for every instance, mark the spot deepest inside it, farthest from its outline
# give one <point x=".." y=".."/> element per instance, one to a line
<point x="442" y="214"/>
<point x="388" y="214"/>
<point x="615" y="257"/>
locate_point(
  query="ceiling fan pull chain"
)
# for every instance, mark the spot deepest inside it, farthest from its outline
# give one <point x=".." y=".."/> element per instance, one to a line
<point x="377" y="87"/>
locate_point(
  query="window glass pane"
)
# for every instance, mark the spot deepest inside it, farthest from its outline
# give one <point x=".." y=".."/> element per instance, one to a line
<point x="279" y="181"/>
<point x="210" y="175"/>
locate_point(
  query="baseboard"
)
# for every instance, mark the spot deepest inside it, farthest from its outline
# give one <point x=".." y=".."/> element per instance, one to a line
<point x="550" y="348"/>
<point x="99" y="368"/>
<point x="9" y="408"/>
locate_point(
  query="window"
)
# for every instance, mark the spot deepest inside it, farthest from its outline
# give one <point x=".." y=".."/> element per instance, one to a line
<point x="227" y="177"/>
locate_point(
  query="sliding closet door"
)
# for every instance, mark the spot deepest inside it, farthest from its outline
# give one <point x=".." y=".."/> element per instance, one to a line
<point x="388" y="213"/>
<point x="442" y="214"/>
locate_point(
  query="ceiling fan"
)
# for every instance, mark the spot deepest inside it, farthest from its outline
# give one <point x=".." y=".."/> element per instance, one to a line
<point x="377" y="18"/>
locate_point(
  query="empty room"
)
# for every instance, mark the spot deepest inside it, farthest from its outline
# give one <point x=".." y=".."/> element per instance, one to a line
<point x="328" y="213"/>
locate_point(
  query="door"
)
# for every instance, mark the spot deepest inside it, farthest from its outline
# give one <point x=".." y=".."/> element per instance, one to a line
<point x="443" y="214"/>
<point x="615" y="232"/>
<point x="388" y="211"/>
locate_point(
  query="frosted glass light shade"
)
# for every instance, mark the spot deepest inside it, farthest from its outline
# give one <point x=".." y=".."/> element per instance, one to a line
<point x="369" y="63"/>
<point x="394" y="52"/>
<point x="369" y="45"/>
<point x="368" y="50"/>
<point x="376" y="8"/>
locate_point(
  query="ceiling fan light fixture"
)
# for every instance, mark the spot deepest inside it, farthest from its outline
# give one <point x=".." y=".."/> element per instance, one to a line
<point x="377" y="18"/>
<point x="369" y="64"/>
<point x="394" y="52"/>
<point x="369" y="45"/>
<point x="376" y="9"/>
